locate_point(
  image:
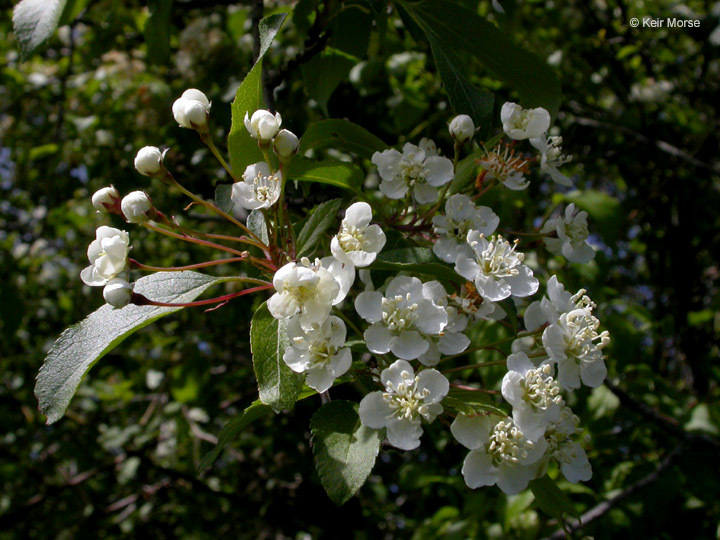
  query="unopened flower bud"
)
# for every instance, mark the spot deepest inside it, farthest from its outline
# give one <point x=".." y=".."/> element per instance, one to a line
<point x="105" y="198"/>
<point x="285" y="144"/>
<point x="117" y="292"/>
<point x="136" y="207"/>
<point x="191" y="110"/>
<point x="263" y="125"/>
<point x="149" y="160"/>
<point x="462" y="128"/>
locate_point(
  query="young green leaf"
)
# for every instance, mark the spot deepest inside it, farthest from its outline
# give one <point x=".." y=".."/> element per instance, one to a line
<point x="471" y="402"/>
<point x="341" y="135"/>
<point x="336" y="173"/>
<point x="551" y="499"/>
<point x="34" y="22"/>
<point x="278" y="385"/>
<point x="79" y="347"/>
<point x="416" y="261"/>
<point x="319" y="221"/>
<point x="344" y="449"/>
<point x="256" y="223"/>
<point x="222" y="198"/>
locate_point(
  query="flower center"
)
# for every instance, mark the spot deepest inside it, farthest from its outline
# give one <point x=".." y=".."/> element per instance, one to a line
<point x="508" y="444"/>
<point x="398" y="313"/>
<point x="321" y="352"/>
<point x="540" y="389"/>
<point x="499" y="258"/>
<point x="407" y="400"/>
<point x="503" y="164"/>
<point x="351" y="238"/>
<point x="265" y="187"/>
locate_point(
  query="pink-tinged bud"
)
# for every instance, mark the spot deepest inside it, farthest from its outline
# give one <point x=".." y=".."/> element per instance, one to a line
<point x="105" y="199"/>
<point x="136" y="207"/>
<point x="149" y="160"/>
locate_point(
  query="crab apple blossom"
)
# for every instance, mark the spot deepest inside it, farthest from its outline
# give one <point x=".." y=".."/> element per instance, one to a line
<point x="260" y="188"/>
<point x="105" y="198"/>
<point x="403" y="319"/>
<point x="548" y="309"/>
<point x="500" y="453"/>
<point x="562" y="447"/>
<point x="496" y="268"/>
<point x="503" y="165"/>
<point x="136" y="207"/>
<point x="263" y="125"/>
<point x="117" y="292"/>
<point x="572" y="232"/>
<point x="551" y="158"/>
<point x="357" y="242"/>
<point x="461" y="128"/>
<point x="318" y="352"/>
<point x="519" y="123"/>
<point x="191" y="110"/>
<point x="108" y="256"/>
<point x="149" y="160"/>
<point x="412" y="169"/>
<point x="405" y="401"/>
<point x="461" y="216"/>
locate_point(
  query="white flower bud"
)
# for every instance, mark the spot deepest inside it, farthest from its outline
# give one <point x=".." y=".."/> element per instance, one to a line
<point x="285" y="144"/>
<point x="135" y="206"/>
<point x="104" y="198"/>
<point x="117" y="292"/>
<point x="462" y="128"/>
<point x="149" y="160"/>
<point x="263" y="125"/>
<point x="191" y="110"/>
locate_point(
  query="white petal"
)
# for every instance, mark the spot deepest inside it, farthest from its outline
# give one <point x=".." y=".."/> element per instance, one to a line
<point x="358" y="214"/>
<point x="374" y="411"/>
<point x="478" y="470"/>
<point x="424" y="193"/>
<point x="394" y="373"/>
<point x="404" y="434"/>
<point x="512" y="479"/>
<point x="435" y="382"/>
<point x="378" y="338"/>
<point x="368" y="304"/>
<point x="408" y="345"/>
<point x="453" y="343"/>
<point x="472" y="432"/>
<point x="438" y="170"/>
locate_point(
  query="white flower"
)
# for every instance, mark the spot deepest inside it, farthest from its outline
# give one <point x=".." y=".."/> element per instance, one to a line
<point x="533" y="393"/>
<point x="402" y="319"/>
<point x="461" y="215"/>
<point x="263" y="125"/>
<point x="191" y="110"/>
<point x="136" y="207"/>
<point x="105" y="198"/>
<point x="551" y="158"/>
<point x="548" y="309"/>
<point x="499" y="453"/>
<point x="572" y="231"/>
<point x="412" y="169"/>
<point x="260" y="188"/>
<point x="405" y="402"/>
<point x="462" y="128"/>
<point x="496" y="268"/>
<point x="570" y="455"/>
<point x="149" y="160"/>
<point x="117" y="292"/>
<point x="318" y="352"/>
<point x="521" y="123"/>
<point x="107" y="255"/>
<point x="358" y="242"/>
<point x="285" y="144"/>
<point x="429" y="147"/>
<point x="575" y="345"/>
<point x="502" y="165"/>
<point x="474" y="305"/>
<point x="310" y="290"/>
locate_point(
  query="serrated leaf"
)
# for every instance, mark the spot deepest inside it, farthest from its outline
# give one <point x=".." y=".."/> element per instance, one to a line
<point x="34" y="22"/>
<point x="79" y="347"/>
<point x="222" y="198"/>
<point x="341" y="135"/>
<point x="416" y="261"/>
<point x="256" y="223"/>
<point x="455" y="28"/>
<point x="278" y="385"/>
<point x="319" y="221"/>
<point x="242" y="147"/>
<point x="471" y="402"/>
<point x="344" y="449"/>
<point x="551" y="499"/>
<point x="157" y="30"/>
<point x="336" y="173"/>
<point x="323" y="73"/>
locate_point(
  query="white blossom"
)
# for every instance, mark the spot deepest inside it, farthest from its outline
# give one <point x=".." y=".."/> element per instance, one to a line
<point x="469" y="302"/>
<point x="358" y="242"/>
<point x="562" y="447"/>
<point x="191" y="110"/>
<point x="572" y="232"/>
<point x="318" y="352"/>
<point x="136" y="207"/>
<point x="117" y="292"/>
<point x="149" y="160"/>
<point x="548" y="309"/>
<point x="107" y="255"/>
<point x="263" y="125"/>
<point x="285" y="144"/>
<point x="105" y="198"/>
<point x="309" y="290"/>
<point x="461" y="215"/>
<point x="519" y="123"/>
<point x="462" y="128"/>
<point x="402" y="320"/>
<point x="413" y="169"/>
<point x="496" y="268"/>
<point x="406" y="400"/>
<point x="503" y="165"/>
<point x="499" y="453"/>
<point x="260" y="188"/>
<point x="551" y="157"/>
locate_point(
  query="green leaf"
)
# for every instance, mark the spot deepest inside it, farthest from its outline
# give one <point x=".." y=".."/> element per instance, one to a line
<point x="157" y="31"/>
<point x="465" y="172"/>
<point x="79" y="347"/>
<point x="551" y="499"/>
<point x="344" y="449"/>
<point x="242" y="147"/>
<point x="336" y="173"/>
<point x="256" y="223"/>
<point x="278" y="385"/>
<point x="222" y="198"/>
<point x="34" y="22"/>
<point x="471" y="402"/>
<point x="319" y="221"/>
<point x="323" y="73"/>
<point x="453" y="27"/>
<point x="341" y="135"/>
<point x="416" y="261"/>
